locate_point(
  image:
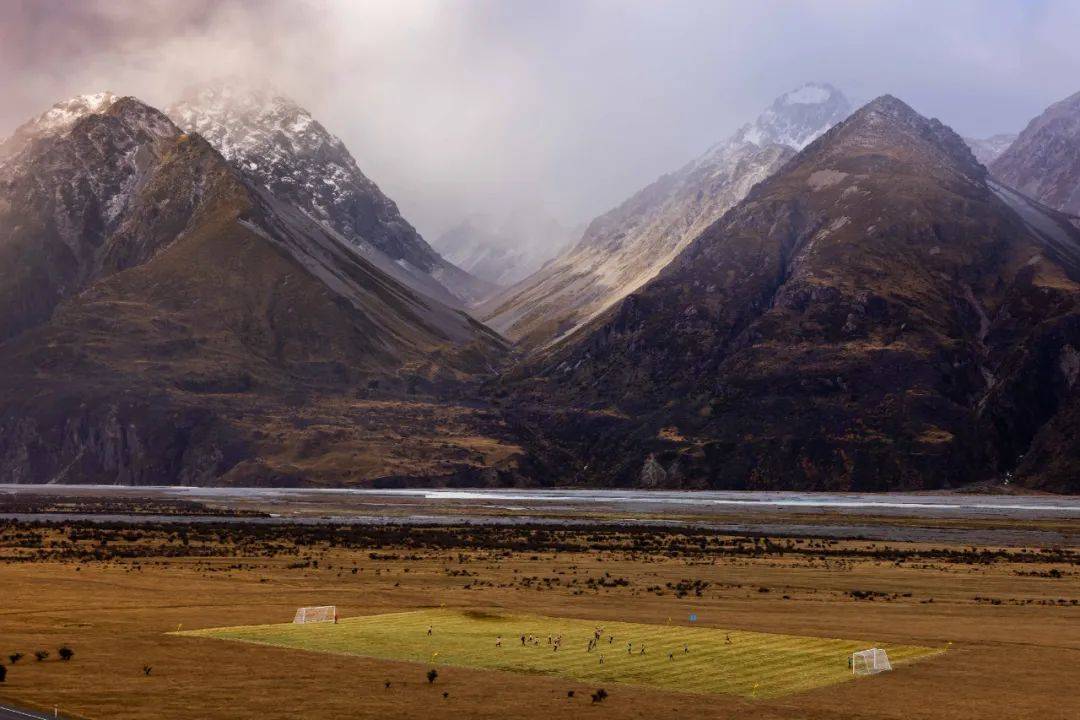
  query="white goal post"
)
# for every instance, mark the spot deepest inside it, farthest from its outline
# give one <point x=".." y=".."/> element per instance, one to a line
<point x="870" y="662"/>
<point x="317" y="613"/>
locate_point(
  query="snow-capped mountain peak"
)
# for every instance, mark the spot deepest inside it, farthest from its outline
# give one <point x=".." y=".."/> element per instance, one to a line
<point x="63" y="115"/>
<point x="244" y="124"/>
<point x="798" y="117"/>
<point x="626" y="247"/>
<point x="57" y="120"/>
<point x="277" y="144"/>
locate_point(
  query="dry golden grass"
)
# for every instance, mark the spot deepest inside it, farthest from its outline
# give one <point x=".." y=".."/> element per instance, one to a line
<point x="1009" y="660"/>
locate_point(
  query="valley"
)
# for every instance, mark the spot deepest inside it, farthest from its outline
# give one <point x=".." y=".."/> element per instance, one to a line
<point x="368" y="359"/>
<point x="822" y="302"/>
<point x="116" y="594"/>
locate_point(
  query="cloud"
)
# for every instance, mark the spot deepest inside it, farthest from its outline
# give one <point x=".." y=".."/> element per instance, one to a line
<point x="457" y="107"/>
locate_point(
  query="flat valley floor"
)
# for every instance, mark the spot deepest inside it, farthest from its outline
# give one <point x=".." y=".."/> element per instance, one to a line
<point x="1000" y="626"/>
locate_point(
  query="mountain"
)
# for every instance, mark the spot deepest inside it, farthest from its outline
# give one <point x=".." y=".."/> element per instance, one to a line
<point x="797" y="118"/>
<point x="277" y="144"/>
<point x="986" y="150"/>
<point x="880" y="314"/>
<point x="163" y="320"/>
<point x="57" y="119"/>
<point x="628" y="246"/>
<point x="507" y="250"/>
<point x="1044" y="161"/>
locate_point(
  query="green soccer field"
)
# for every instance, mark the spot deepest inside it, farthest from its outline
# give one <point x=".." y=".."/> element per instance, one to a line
<point x="686" y="659"/>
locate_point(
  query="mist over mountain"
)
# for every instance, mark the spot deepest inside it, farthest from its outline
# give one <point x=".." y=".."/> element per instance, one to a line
<point x="878" y="314"/>
<point x="986" y="150"/>
<point x="457" y="110"/>
<point x="345" y="244"/>
<point x="277" y="144"/>
<point x="164" y="320"/>
<point x="626" y="247"/>
<point x="1044" y="161"/>
<point x="505" y="250"/>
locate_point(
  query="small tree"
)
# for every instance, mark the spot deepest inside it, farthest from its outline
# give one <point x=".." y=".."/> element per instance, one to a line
<point x="146" y="669"/>
<point x="66" y="653"/>
<point x="599" y="696"/>
<point x="15" y="657"/>
<point x="41" y="654"/>
<point x="432" y="675"/>
<point x="3" y="673"/>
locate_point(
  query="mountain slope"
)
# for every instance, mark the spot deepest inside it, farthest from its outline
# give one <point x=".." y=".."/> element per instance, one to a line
<point x="276" y="143"/>
<point x="164" y="321"/>
<point x="1044" y="161"/>
<point x="69" y="197"/>
<point x="878" y="315"/>
<point x="625" y="248"/>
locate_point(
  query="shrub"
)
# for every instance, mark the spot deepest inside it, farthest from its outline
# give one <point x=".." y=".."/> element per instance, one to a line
<point x="3" y="673"/>
<point x="41" y="654"/>
<point x="15" y="657"/>
<point x="431" y="675"/>
<point x="599" y="696"/>
<point x="66" y="653"/>
<point x="146" y="669"/>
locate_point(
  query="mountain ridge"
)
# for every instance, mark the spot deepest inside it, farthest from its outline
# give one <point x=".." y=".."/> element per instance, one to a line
<point x="869" y="317"/>
<point x="627" y="246"/>
<point x="277" y="143"/>
<point x="186" y="320"/>
<point x="1044" y="160"/>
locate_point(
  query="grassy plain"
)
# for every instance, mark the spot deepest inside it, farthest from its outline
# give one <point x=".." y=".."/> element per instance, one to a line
<point x="114" y="595"/>
<point x="735" y="662"/>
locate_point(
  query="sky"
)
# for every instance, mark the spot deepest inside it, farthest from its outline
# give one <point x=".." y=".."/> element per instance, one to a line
<point x="562" y="107"/>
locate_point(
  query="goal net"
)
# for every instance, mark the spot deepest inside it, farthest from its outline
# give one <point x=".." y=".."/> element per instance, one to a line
<point x="319" y="613"/>
<point x="869" y="662"/>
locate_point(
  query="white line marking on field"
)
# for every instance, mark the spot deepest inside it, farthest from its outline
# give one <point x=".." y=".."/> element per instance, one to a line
<point x="20" y="712"/>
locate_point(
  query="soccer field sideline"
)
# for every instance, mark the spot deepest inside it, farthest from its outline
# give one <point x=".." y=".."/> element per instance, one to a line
<point x="677" y="657"/>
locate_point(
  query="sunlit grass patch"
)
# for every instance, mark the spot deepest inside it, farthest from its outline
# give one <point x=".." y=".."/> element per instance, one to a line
<point x="676" y="657"/>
